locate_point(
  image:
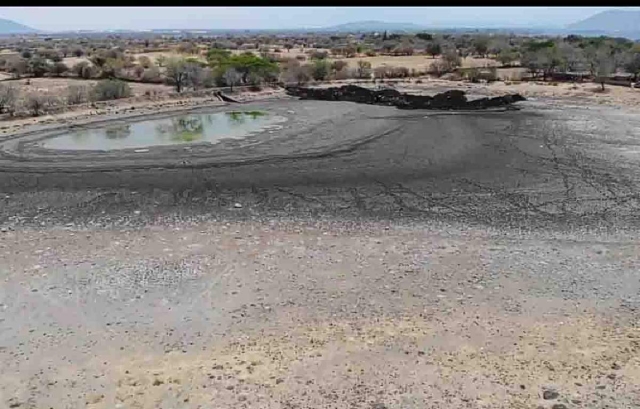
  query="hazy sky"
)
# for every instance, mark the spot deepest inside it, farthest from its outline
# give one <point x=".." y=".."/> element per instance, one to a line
<point x="141" y="18"/>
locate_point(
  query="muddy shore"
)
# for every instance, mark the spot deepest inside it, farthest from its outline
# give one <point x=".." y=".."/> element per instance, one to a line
<point x="360" y="257"/>
<point x="544" y="163"/>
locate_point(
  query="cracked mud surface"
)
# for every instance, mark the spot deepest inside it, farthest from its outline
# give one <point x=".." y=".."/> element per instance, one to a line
<point x="376" y="259"/>
<point x="543" y="164"/>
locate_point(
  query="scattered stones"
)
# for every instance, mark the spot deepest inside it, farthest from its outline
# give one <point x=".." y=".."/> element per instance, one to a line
<point x="14" y="403"/>
<point x="550" y="394"/>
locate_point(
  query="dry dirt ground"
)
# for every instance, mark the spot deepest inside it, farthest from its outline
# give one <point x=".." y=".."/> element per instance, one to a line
<point x="59" y="86"/>
<point x="361" y="257"/>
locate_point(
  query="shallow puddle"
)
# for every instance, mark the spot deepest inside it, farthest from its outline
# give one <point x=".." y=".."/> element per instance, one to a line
<point x="184" y="129"/>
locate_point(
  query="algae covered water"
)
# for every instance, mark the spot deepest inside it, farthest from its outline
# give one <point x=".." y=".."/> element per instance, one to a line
<point x="182" y="129"/>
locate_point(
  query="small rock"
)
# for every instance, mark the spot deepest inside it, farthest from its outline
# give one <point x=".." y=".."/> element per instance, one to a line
<point x="378" y="405"/>
<point x="14" y="403"/>
<point x="616" y="367"/>
<point x="242" y="398"/>
<point x="611" y="376"/>
<point x="549" y="395"/>
<point x="279" y="381"/>
<point x="94" y="398"/>
<point x="3" y="229"/>
<point x="559" y="406"/>
<point x="600" y="387"/>
<point x="237" y="205"/>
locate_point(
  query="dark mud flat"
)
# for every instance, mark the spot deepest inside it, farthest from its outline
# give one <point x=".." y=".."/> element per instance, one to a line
<point x="549" y="165"/>
<point x="449" y="100"/>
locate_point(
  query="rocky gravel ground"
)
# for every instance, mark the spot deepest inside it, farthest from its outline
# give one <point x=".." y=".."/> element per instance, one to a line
<point x="481" y="261"/>
<point x="318" y="314"/>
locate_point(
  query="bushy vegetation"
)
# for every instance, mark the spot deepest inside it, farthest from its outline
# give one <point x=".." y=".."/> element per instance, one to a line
<point x="254" y="59"/>
<point x="106" y="90"/>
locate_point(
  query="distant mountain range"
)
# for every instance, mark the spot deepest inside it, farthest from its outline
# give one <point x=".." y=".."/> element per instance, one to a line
<point x="621" y="23"/>
<point x="609" y="21"/>
<point x="370" y="26"/>
<point x="11" y="27"/>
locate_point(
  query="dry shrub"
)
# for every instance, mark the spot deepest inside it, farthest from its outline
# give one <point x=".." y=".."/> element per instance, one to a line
<point x="138" y="71"/>
<point x="151" y="75"/>
<point x="84" y="70"/>
<point x="145" y="62"/>
<point x="398" y="72"/>
<point x="77" y="94"/>
<point x="472" y="74"/>
<point x="110" y="89"/>
<point x="38" y="104"/>
<point x="451" y="76"/>
<point x="344" y="74"/>
<point x="9" y="97"/>
<point x="438" y="68"/>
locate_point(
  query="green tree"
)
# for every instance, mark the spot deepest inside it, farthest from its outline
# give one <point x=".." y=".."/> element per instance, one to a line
<point x="217" y="57"/>
<point x="506" y="57"/>
<point x="434" y="49"/>
<point x="249" y="64"/>
<point x="38" y="66"/>
<point x="59" y="68"/>
<point x="481" y="45"/>
<point x="320" y="70"/>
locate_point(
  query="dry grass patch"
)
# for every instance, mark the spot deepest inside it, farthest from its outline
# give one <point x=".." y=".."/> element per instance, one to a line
<point x="417" y="62"/>
<point x="58" y="87"/>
